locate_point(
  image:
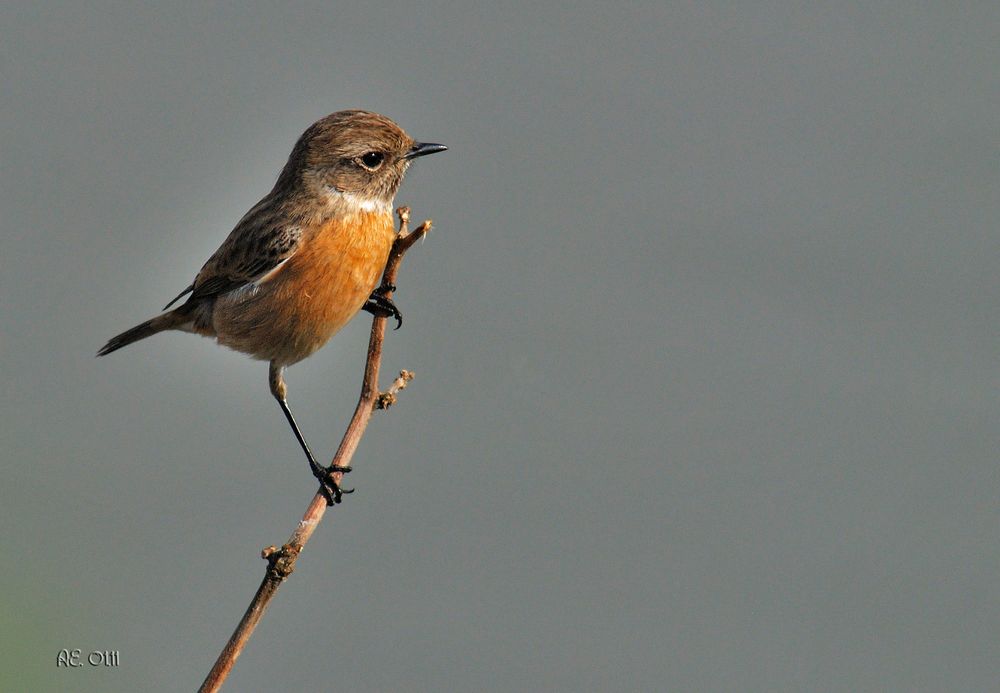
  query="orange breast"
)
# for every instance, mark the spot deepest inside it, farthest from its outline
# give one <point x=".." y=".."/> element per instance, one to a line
<point x="314" y="294"/>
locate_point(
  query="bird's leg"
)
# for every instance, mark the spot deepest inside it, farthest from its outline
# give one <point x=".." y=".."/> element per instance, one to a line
<point x="330" y="488"/>
<point x="380" y="305"/>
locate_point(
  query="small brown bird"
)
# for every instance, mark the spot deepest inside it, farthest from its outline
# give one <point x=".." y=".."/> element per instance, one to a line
<point x="306" y="258"/>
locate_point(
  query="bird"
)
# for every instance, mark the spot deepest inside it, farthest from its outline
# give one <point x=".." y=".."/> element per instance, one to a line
<point x="305" y="259"/>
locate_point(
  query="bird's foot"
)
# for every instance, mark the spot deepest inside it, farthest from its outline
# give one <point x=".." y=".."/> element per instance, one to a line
<point x="330" y="489"/>
<point x="381" y="306"/>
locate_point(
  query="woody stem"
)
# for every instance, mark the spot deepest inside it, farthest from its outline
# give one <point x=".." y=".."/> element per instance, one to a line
<point x="281" y="562"/>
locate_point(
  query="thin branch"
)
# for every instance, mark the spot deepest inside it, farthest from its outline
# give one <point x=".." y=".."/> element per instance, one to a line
<point x="281" y="562"/>
<point x="388" y="398"/>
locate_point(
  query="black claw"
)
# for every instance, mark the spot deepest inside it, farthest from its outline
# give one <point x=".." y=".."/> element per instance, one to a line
<point x="330" y="494"/>
<point x="330" y="489"/>
<point x="382" y="306"/>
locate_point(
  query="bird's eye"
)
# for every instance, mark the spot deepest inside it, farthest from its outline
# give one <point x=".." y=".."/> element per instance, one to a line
<point x="372" y="160"/>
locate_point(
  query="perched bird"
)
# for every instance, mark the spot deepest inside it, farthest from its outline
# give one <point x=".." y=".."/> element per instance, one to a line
<point x="306" y="258"/>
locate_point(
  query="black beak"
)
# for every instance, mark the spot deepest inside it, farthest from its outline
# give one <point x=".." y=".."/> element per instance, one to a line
<point x="423" y="149"/>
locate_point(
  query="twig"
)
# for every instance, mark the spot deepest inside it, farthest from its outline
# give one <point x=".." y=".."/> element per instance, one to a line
<point x="281" y="562"/>
<point x="388" y="398"/>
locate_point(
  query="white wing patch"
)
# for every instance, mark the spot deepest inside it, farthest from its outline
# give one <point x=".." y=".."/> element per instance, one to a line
<point x="251" y="288"/>
<point x="271" y="272"/>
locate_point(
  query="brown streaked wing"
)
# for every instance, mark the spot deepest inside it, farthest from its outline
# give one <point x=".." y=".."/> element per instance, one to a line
<point x="248" y="254"/>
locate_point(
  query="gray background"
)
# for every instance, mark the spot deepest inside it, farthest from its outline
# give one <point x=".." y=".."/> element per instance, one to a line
<point x="705" y="342"/>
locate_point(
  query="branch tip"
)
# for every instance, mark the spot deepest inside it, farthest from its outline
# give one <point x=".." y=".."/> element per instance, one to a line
<point x="388" y="398"/>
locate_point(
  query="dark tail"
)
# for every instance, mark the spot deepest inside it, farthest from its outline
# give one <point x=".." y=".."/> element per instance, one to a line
<point x="160" y="323"/>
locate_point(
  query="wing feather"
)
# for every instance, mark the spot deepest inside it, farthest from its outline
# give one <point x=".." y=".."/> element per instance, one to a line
<point x="261" y="242"/>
